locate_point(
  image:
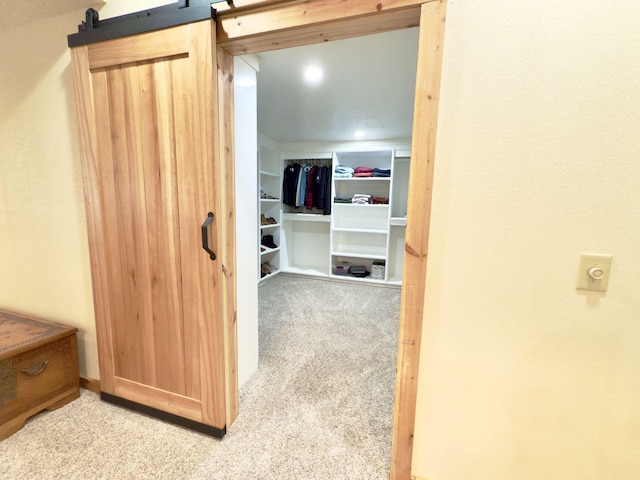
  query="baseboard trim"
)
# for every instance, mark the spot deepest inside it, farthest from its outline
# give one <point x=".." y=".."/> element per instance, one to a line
<point x="90" y="384"/>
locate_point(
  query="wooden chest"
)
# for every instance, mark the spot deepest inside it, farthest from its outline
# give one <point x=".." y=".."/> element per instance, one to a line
<point x="38" y="368"/>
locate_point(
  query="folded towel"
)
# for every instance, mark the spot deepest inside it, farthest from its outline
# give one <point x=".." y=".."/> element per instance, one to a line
<point x="363" y="170"/>
<point x="342" y="175"/>
<point x="363" y="175"/>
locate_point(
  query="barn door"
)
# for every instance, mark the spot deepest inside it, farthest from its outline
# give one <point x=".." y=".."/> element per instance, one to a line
<point x="147" y="113"/>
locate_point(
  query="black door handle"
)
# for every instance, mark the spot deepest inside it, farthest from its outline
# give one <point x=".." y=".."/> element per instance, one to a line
<point x="206" y="226"/>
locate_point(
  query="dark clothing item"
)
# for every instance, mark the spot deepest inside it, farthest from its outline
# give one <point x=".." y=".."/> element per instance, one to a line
<point x="323" y="189"/>
<point x="311" y="188"/>
<point x="381" y="172"/>
<point x="290" y="184"/>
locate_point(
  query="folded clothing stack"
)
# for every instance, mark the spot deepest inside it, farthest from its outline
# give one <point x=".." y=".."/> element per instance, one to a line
<point x="343" y="172"/>
<point x="381" y="172"/>
<point x="379" y="200"/>
<point x="361" y="198"/>
<point x="363" y="172"/>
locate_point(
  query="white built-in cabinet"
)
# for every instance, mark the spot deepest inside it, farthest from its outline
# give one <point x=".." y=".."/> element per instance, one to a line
<point x="313" y="243"/>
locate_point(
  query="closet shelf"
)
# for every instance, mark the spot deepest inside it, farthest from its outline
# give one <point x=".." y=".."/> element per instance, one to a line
<point x="268" y="250"/>
<point x="399" y="221"/>
<point x="273" y="272"/>
<point x="371" y="255"/>
<point x="358" y="279"/>
<point x="271" y="225"/>
<point x="363" y="179"/>
<point x="270" y="200"/>
<point x="306" y="217"/>
<point x="361" y="205"/>
<point x="303" y="269"/>
<point x="269" y="174"/>
<point x="361" y="230"/>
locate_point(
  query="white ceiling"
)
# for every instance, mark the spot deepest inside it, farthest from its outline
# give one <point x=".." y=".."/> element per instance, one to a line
<point x="369" y="85"/>
<point x="19" y="12"/>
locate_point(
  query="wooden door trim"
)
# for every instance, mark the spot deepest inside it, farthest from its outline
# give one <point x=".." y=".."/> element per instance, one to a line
<point x="270" y="24"/>
<point x="423" y="149"/>
<point x="227" y="248"/>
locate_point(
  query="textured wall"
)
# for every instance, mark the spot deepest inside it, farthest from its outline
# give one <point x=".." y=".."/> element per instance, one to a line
<point x="44" y="262"/>
<point x="523" y="377"/>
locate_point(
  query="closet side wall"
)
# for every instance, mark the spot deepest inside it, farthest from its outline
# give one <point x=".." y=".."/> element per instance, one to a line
<point x="246" y="147"/>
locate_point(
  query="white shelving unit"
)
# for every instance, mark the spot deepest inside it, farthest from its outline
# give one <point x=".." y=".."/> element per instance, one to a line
<point x="269" y="208"/>
<point x="372" y="235"/>
<point x="360" y="233"/>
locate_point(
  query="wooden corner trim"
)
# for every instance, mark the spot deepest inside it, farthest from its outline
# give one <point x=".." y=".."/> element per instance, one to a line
<point x="90" y="384"/>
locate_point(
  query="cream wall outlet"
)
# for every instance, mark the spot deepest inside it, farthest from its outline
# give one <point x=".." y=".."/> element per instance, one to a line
<point x="594" y="272"/>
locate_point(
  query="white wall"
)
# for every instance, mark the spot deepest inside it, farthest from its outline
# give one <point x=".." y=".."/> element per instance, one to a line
<point x="246" y="151"/>
<point x="522" y="377"/>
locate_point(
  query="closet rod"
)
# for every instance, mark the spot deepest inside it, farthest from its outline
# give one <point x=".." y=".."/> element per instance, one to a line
<point x="312" y="161"/>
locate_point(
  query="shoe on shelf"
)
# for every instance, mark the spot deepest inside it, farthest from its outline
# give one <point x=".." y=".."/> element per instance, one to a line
<point x="264" y="194"/>
<point x="267" y="241"/>
<point x="264" y="220"/>
<point x="271" y="221"/>
<point x="265" y="269"/>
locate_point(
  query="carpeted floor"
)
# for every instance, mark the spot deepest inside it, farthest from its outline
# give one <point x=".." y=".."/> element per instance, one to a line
<point x="319" y="407"/>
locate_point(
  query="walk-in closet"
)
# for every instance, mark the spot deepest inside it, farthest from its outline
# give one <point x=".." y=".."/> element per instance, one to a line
<point x="334" y="126"/>
<point x="321" y="225"/>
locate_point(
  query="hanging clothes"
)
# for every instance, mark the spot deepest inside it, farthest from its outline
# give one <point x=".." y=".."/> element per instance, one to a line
<point x="290" y="184"/>
<point x="311" y="189"/>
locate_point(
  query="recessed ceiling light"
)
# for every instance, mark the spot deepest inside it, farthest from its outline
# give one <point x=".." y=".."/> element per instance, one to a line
<point x="358" y="134"/>
<point x="313" y="75"/>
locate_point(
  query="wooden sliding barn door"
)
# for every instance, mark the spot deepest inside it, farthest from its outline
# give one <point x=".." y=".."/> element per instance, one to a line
<point x="147" y="112"/>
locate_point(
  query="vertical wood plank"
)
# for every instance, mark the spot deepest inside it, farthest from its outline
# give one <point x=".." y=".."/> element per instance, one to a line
<point x="127" y="328"/>
<point x="94" y="213"/>
<point x="228" y="230"/>
<point x="432" y="22"/>
<point x="188" y="193"/>
<point x="105" y="172"/>
<point x="173" y="325"/>
<point x="137" y="116"/>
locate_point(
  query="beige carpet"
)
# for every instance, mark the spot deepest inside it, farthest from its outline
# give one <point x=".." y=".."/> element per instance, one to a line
<point x="319" y="407"/>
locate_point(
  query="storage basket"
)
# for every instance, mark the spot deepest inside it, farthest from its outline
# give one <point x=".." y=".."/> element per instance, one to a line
<point x="377" y="270"/>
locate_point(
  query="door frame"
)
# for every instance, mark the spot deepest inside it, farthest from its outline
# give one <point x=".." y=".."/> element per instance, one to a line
<point x="252" y="26"/>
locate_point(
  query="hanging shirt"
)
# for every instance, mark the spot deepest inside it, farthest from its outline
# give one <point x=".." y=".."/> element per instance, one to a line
<point x="289" y="184"/>
<point x="311" y="181"/>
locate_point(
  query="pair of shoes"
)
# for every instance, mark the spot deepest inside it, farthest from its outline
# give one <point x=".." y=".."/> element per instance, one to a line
<point x="264" y="194"/>
<point x="265" y="269"/>
<point x="267" y="221"/>
<point x="267" y="241"/>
